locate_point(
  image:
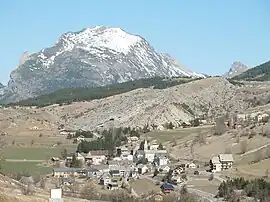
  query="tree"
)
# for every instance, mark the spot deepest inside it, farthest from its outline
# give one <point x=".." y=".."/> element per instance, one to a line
<point x="160" y="146"/>
<point x="220" y="127"/>
<point x="156" y="172"/>
<point x="89" y="191"/>
<point x="2" y="158"/>
<point x="192" y="150"/>
<point x="43" y="182"/>
<point x="243" y="146"/>
<point x="211" y="177"/>
<point x="64" y="153"/>
<point x="195" y="122"/>
<point x="75" y="163"/>
<point x="267" y="173"/>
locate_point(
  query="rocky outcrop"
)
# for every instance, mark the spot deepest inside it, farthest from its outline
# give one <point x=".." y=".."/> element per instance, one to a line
<point x="237" y="68"/>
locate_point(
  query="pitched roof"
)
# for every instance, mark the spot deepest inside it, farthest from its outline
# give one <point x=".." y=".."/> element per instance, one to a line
<point x="215" y="160"/>
<point x="67" y="169"/>
<point x="100" y="167"/>
<point x="225" y="157"/>
<point x="97" y="153"/>
<point x="167" y="186"/>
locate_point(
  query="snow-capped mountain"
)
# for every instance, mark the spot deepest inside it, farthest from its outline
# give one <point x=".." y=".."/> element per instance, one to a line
<point x="91" y="57"/>
<point x="236" y="69"/>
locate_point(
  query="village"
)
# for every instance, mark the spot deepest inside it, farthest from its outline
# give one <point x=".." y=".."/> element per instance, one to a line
<point x="138" y="159"/>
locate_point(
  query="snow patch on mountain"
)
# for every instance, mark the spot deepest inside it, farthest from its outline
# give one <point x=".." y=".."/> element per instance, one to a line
<point x="91" y="57"/>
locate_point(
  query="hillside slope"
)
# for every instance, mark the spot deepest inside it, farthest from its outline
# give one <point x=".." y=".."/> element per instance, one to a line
<point x="91" y="57"/>
<point x="70" y="95"/>
<point x="258" y="73"/>
<point x="207" y="97"/>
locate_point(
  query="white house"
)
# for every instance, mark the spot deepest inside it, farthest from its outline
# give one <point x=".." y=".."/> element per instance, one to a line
<point x="164" y="168"/>
<point x="142" y="169"/>
<point x="161" y="161"/>
<point x="150" y="155"/>
<point x="133" y="139"/>
<point x="221" y="162"/>
<point x="191" y="165"/>
<point x="215" y="164"/>
<point x="263" y="117"/>
<point x="80" y="138"/>
<point x="226" y="161"/>
<point x="96" y="157"/>
<point x="105" y="179"/>
<point x="154" y="145"/>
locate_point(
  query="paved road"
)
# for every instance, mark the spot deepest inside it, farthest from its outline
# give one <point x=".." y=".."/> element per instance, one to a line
<point x="24" y="160"/>
<point x="205" y="195"/>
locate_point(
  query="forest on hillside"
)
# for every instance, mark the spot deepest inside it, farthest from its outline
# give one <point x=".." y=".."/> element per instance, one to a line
<point x="258" y="73"/>
<point x="67" y="96"/>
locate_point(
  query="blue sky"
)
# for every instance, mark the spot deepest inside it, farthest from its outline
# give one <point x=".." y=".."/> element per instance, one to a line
<point x="205" y="36"/>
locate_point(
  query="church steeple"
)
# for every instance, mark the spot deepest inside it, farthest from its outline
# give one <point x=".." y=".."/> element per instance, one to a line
<point x="145" y="147"/>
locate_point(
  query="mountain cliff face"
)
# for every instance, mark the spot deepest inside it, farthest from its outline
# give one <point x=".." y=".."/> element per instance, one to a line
<point x="91" y="57"/>
<point x="237" y="68"/>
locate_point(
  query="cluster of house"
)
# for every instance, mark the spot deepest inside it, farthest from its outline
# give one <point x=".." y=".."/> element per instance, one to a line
<point x="128" y="164"/>
<point x="256" y="117"/>
<point x="221" y="162"/>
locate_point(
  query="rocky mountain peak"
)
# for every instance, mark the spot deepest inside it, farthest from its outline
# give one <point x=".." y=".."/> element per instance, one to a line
<point x="91" y="57"/>
<point x="236" y="69"/>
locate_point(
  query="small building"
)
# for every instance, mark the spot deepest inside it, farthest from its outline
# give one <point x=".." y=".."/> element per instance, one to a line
<point x="77" y="155"/>
<point x="105" y="179"/>
<point x="226" y="161"/>
<point x="67" y="181"/>
<point x="164" y="168"/>
<point x="221" y="162"/>
<point x="100" y="169"/>
<point x="215" y="164"/>
<point x="66" y="172"/>
<point x="80" y="138"/>
<point x="191" y="165"/>
<point x="161" y="161"/>
<point x="167" y="188"/>
<point x="139" y="154"/>
<point x="96" y="157"/>
<point x="142" y="169"/>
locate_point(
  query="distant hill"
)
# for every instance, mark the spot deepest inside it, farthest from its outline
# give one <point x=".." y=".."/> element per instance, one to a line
<point x="69" y="95"/>
<point x="258" y="73"/>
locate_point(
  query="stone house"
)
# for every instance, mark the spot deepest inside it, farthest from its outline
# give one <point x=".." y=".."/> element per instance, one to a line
<point x="66" y="172"/>
<point x="96" y="157"/>
<point x="221" y="162"/>
<point x="215" y="164"/>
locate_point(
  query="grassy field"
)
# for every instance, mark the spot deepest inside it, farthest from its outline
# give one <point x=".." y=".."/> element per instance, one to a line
<point x="33" y="153"/>
<point x="144" y="186"/>
<point x="24" y="167"/>
<point x="169" y="135"/>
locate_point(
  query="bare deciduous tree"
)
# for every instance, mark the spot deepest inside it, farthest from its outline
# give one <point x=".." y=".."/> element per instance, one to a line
<point x="243" y="146"/>
<point x="220" y="127"/>
<point x="88" y="191"/>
